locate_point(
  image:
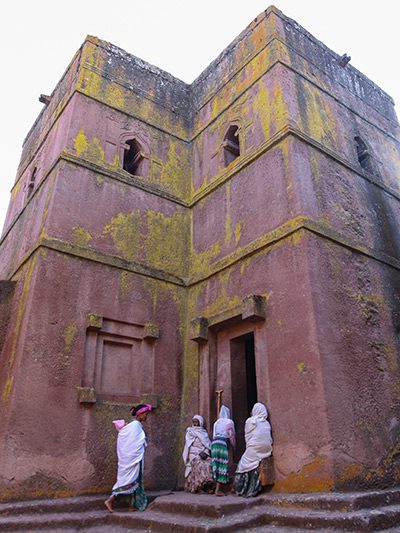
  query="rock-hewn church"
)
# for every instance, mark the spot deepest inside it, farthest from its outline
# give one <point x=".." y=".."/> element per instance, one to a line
<point x="165" y="241"/>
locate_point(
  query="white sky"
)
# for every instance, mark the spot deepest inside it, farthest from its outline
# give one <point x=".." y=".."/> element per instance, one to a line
<point x="179" y="36"/>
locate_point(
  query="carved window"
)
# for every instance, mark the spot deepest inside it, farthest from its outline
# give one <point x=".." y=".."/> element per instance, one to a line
<point x="364" y="156"/>
<point x="231" y="145"/>
<point x="31" y="184"/>
<point x="133" y="157"/>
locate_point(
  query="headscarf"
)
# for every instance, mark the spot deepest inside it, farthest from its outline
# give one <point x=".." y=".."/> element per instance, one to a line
<point x="192" y="433"/>
<point x="224" y="426"/>
<point x="259" y="411"/>
<point x="224" y="412"/>
<point x="200" y="419"/>
<point x="142" y="408"/>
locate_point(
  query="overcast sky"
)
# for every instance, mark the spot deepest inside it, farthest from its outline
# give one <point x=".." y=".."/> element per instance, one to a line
<point x="179" y="36"/>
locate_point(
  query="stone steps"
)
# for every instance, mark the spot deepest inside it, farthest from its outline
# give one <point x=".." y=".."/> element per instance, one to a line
<point x="181" y="512"/>
<point x="81" y="503"/>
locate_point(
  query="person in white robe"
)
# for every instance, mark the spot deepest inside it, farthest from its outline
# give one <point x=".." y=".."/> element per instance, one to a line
<point x="223" y="438"/>
<point x="131" y="445"/>
<point x="258" y="446"/>
<point x="196" y="456"/>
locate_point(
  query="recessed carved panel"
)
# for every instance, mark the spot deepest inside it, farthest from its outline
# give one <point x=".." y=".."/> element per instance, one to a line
<point x="118" y="360"/>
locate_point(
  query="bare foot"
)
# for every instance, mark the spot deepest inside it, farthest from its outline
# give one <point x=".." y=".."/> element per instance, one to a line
<point x="132" y="509"/>
<point x="107" y="503"/>
<point x="219" y="493"/>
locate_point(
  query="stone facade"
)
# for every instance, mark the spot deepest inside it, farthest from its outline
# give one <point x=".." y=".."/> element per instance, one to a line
<point x="164" y="241"/>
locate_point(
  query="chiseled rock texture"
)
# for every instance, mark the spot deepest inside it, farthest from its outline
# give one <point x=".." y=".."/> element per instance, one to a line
<point x="164" y="241"/>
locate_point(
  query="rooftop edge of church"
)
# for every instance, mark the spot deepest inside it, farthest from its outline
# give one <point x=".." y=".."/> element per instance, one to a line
<point x="250" y="42"/>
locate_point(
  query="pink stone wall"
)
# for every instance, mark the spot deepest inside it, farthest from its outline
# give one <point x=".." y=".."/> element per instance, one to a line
<point x="154" y="287"/>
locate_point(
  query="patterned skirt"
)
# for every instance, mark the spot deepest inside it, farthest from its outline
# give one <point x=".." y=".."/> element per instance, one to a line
<point x="132" y="494"/>
<point x="248" y="484"/>
<point x="219" y="456"/>
<point x="200" y="475"/>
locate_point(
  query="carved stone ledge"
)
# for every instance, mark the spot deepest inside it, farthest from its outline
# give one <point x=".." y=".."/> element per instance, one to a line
<point x="254" y="307"/>
<point x="94" y="321"/>
<point x="199" y="329"/>
<point x="87" y="395"/>
<point x="151" y="331"/>
<point x="151" y="399"/>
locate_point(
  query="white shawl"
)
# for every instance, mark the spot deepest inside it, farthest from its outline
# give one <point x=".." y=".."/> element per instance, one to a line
<point x="196" y="441"/>
<point x="130" y="450"/>
<point x="224" y="426"/>
<point x="257" y="433"/>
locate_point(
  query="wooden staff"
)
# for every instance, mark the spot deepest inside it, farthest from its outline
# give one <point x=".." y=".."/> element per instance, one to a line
<point x="219" y="395"/>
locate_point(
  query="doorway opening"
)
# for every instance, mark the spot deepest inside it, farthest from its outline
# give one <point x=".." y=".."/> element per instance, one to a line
<point x="244" y="386"/>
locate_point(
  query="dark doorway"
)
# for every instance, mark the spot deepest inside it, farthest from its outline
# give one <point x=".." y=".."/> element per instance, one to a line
<point x="244" y="386"/>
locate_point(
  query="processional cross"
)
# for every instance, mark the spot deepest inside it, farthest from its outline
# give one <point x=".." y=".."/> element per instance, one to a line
<point x="219" y="398"/>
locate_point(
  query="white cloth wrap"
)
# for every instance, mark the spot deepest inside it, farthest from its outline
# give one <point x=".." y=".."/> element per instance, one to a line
<point x="223" y="423"/>
<point x="257" y="434"/>
<point x="196" y="441"/>
<point x="131" y="444"/>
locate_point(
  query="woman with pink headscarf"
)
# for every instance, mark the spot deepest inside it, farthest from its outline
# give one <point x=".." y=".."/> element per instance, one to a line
<point x="258" y="446"/>
<point x="131" y="445"/>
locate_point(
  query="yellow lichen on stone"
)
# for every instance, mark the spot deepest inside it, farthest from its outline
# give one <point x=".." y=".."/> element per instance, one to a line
<point x="200" y="262"/>
<point x="313" y="477"/>
<point x="318" y="119"/>
<point x="160" y="240"/>
<point x="298" y="236"/>
<point x="261" y="108"/>
<point x="63" y="358"/>
<point x="244" y="264"/>
<point x="95" y="152"/>
<point x="222" y="299"/>
<point x="126" y="283"/>
<point x="80" y="236"/>
<point x="81" y="144"/>
<point x="351" y="471"/>
<point x="369" y="304"/>
<point x="166" y="241"/>
<point x="15" y="190"/>
<point x="175" y="174"/>
<point x="279" y="110"/>
<point x="7" y="389"/>
<point x="238" y="232"/>
<point x="125" y="232"/>
<point x="69" y="335"/>
<point x="90" y="150"/>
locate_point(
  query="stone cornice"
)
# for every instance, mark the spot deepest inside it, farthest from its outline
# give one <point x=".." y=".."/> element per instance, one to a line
<point x="218" y="180"/>
<point x="286" y="230"/>
<point x="259" y="245"/>
<point x="122" y="176"/>
<point x="97" y="256"/>
<point x="278" y="137"/>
